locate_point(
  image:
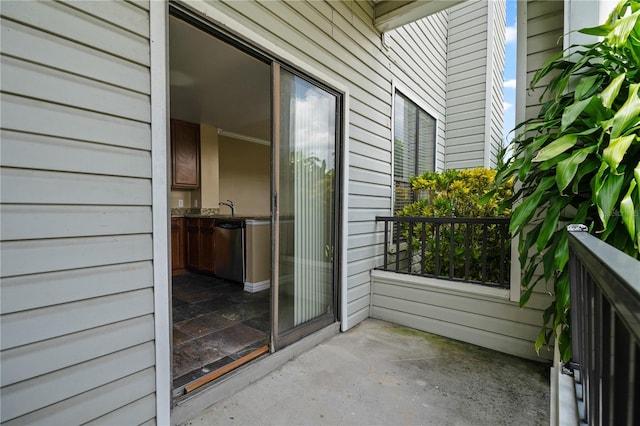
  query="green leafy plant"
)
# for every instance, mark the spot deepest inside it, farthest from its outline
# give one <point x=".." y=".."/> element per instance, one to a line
<point x="578" y="161"/>
<point x="456" y="193"/>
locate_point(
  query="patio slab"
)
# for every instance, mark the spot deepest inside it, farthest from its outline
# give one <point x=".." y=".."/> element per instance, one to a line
<point x="380" y="373"/>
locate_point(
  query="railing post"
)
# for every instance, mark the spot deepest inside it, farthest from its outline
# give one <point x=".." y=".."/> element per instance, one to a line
<point x="574" y="291"/>
<point x="386" y="244"/>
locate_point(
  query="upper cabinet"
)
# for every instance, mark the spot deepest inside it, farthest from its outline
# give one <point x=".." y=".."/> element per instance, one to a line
<point x="185" y="154"/>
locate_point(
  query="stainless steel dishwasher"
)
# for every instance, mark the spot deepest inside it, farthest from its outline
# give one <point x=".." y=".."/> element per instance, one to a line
<point x="229" y="249"/>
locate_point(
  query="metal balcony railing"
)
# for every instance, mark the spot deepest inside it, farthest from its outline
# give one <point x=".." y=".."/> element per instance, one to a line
<point x="605" y="328"/>
<point x="476" y="250"/>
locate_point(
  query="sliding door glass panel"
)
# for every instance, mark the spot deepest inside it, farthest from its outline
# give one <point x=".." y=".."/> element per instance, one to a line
<point x="306" y="193"/>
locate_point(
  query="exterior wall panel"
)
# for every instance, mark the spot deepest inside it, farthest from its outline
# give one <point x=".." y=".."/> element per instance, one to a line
<point x="76" y="248"/>
<point x="545" y="28"/>
<point x="467" y="312"/>
<point x="474" y="82"/>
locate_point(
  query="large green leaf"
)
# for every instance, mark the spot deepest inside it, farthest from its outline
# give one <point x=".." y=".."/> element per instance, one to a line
<point x="561" y="255"/>
<point x="552" y="214"/>
<point x="628" y="211"/>
<point x="584" y="169"/>
<point x="606" y="196"/>
<point x="622" y="29"/>
<point x="525" y="211"/>
<point x="566" y="169"/>
<point x="556" y="147"/>
<point x="609" y="94"/>
<point x="562" y="292"/>
<point x="524" y="297"/>
<point x="548" y="263"/>
<point x="628" y="115"/>
<point x="564" y="344"/>
<point x="584" y="86"/>
<point x="600" y="31"/>
<point x="616" y="150"/>
<point x="526" y="244"/>
<point x="572" y="112"/>
<point x="552" y="162"/>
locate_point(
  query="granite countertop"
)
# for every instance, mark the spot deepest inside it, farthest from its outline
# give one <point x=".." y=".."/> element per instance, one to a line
<point x="213" y="213"/>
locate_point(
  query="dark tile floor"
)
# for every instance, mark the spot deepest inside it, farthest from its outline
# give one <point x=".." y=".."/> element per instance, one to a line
<point x="214" y="323"/>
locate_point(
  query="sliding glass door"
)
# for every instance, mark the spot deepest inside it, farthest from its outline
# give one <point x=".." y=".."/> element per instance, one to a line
<point x="306" y="126"/>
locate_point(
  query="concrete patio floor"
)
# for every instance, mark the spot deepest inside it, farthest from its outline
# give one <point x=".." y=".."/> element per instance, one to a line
<point x="380" y="373"/>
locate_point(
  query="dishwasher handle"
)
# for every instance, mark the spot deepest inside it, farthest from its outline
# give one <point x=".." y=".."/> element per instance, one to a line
<point x="230" y="224"/>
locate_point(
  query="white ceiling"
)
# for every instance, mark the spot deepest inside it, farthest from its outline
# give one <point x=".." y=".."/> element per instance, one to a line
<point x="215" y="83"/>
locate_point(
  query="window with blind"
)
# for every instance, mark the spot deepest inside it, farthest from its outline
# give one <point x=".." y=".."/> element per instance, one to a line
<point x="414" y="144"/>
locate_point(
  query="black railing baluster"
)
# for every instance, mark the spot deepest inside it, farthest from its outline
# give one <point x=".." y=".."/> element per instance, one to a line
<point x="428" y="233"/>
<point x="467" y="244"/>
<point x="423" y="244"/>
<point x="503" y="238"/>
<point x="484" y="253"/>
<point x="436" y="255"/>
<point x="386" y="244"/>
<point x="397" y="225"/>
<point x="452" y="252"/>
<point x="410" y="247"/>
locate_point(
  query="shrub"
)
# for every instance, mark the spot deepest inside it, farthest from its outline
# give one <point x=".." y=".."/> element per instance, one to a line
<point x="456" y="193"/>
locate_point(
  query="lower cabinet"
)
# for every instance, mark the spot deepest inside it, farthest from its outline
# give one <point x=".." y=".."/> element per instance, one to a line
<point x="193" y="244"/>
<point x="206" y="246"/>
<point x="178" y="246"/>
<point x="200" y="254"/>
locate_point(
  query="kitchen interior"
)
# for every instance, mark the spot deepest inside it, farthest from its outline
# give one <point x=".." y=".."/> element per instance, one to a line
<point x="220" y="109"/>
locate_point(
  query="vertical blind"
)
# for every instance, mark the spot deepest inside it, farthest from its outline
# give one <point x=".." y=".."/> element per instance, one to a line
<point x="414" y="143"/>
<point x="309" y="148"/>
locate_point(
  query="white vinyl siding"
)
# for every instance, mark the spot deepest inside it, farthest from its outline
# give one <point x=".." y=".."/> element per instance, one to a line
<point x="77" y="324"/>
<point x="474" y="83"/>
<point x="418" y="53"/>
<point x="470" y="313"/>
<point x="545" y="28"/>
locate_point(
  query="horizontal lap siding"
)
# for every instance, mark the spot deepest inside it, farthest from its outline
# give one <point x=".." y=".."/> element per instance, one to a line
<point x="417" y="52"/>
<point x="418" y="56"/>
<point x="76" y="244"/>
<point x="467" y="85"/>
<point x="545" y="28"/>
<point x="488" y="320"/>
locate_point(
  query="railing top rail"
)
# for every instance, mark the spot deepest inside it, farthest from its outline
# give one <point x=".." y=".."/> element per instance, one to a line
<point x="616" y="273"/>
<point x="422" y="219"/>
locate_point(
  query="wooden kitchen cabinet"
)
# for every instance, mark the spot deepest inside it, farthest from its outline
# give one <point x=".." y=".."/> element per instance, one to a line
<point x="206" y="246"/>
<point x="178" y="246"/>
<point x="193" y="243"/>
<point x="185" y="155"/>
<point x="200" y="254"/>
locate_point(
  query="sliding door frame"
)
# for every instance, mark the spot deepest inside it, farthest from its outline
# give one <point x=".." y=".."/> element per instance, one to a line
<point x="278" y="339"/>
<point x="204" y="17"/>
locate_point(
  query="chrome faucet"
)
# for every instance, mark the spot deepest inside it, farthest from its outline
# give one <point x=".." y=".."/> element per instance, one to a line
<point x="230" y="205"/>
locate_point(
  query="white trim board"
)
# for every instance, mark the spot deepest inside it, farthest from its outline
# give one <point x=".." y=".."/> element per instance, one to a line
<point x="158" y="21"/>
<point x="256" y="287"/>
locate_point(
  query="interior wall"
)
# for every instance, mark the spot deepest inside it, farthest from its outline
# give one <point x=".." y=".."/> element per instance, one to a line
<point x="209" y="168"/>
<point x="180" y="194"/>
<point x="245" y="176"/>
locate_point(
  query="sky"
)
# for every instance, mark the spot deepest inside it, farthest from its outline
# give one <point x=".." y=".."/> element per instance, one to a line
<point x="509" y="74"/>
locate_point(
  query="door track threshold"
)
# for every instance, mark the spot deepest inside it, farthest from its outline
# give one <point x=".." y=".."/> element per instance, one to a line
<point x="225" y="369"/>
